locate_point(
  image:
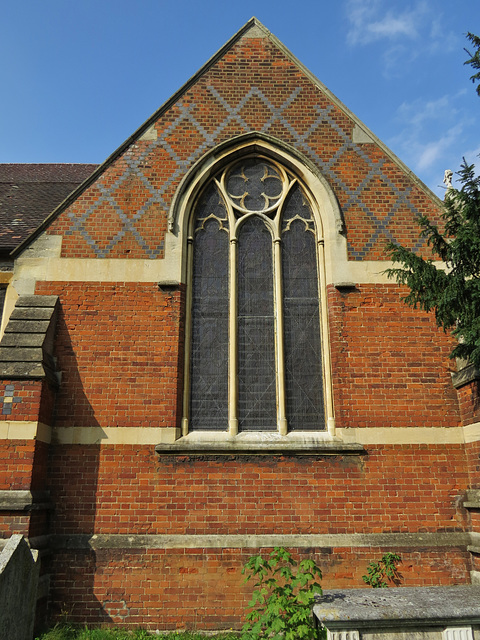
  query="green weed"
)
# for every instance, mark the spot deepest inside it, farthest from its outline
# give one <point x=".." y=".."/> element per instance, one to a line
<point x="281" y="605"/>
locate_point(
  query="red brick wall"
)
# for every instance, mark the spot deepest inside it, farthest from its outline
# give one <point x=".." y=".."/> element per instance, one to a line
<point x="469" y="402"/>
<point x="23" y="466"/>
<point x="120" y="350"/>
<point x="40" y="466"/>
<point x="390" y="363"/>
<point x="473" y="461"/>
<point x="16" y="462"/>
<point x="204" y="588"/>
<point x="14" y="522"/>
<point x="127" y="489"/>
<point x="27" y="399"/>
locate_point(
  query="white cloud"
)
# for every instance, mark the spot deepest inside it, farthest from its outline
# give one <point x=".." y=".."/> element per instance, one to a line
<point x="431" y="136"/>
<point x="417" y="113"/>
<point x="431" y="153"/>
<point x="441" y="40"/>
<point x="368" y="23"/>
<point x="405" y="30"/>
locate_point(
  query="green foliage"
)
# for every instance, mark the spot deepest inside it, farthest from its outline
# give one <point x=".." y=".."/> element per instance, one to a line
<point x="453" y="294"/>
<point x="474" y="60"/>
<point x="379" y="574"/>
<point x="73" y="632"/>
<point x="281" y="604"/>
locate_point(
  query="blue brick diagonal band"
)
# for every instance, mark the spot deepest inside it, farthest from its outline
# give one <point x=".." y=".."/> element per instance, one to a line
<point x="302" y="141"/>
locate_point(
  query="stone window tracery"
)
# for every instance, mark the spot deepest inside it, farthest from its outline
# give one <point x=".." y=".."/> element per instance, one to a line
<point x="254" y="332"/>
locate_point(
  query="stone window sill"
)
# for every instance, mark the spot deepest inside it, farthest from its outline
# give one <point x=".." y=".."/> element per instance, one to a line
<point x="202" y="443"/>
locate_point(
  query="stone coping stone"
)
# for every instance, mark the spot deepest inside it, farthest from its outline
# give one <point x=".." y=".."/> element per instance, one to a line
<point x="399" y="607"/>
<point x="36" y="301"/>
<point x="468" y="374"/>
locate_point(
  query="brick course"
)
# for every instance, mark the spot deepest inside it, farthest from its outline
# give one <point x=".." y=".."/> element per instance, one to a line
<point x="127" y="489"/>
<point x="204" y="588"/>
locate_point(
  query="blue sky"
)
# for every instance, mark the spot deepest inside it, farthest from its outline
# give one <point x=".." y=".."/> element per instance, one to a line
<point x="77" y="78"/>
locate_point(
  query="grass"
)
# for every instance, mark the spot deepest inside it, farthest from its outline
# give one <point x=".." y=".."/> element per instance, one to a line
<point x="69" y="632"/>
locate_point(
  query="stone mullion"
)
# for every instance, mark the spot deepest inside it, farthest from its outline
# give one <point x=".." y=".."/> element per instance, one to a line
<point x="233" y="342"/>
<point x="325" y="340"/>
<point x="188" y="338"/>
<point x="279" y="337"/>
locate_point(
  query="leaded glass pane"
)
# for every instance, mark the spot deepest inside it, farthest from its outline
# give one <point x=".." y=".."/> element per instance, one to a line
<point x="256" y="332"/>
<point x="303" y="356"/>
<point x="254" y="184"/>
<point x="209" y="355"/>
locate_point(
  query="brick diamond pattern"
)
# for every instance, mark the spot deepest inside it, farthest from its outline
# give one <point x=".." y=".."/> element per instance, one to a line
<point x="209" y="113"/>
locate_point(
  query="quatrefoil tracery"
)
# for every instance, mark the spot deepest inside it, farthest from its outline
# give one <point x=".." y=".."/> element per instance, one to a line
<point x="255" y="185"/>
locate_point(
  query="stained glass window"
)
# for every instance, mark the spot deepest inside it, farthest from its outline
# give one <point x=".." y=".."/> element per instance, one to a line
<point x="256" y="330"/>
<point x="209" y="358"/>
<point x="303" y="355"/>
<point x="254" y="239"/>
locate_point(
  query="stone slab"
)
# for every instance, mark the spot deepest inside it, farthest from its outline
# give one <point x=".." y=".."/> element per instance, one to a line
<point x="20" y="354"/>
<point x="27" y="326"/>
<point x="21" y="370"/>
<point x="465" y="376"/>
<point x="402" y="606"/>
<point x="22" y="340"/>
<point x="31" y="313"/>
<point x="36" y="301"/>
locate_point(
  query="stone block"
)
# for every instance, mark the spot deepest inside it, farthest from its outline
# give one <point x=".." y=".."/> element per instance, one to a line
<point x="19" y="571"/>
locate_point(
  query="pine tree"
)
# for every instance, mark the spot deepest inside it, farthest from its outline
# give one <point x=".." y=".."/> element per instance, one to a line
<point x="452" y="292"/>
<point x="474" y="60"/>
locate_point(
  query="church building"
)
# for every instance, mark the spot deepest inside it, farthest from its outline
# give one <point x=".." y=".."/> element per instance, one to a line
<point x="202" y="358"/>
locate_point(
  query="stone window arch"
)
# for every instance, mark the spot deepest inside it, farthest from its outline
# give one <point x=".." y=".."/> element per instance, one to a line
<point x="257" y="352"/>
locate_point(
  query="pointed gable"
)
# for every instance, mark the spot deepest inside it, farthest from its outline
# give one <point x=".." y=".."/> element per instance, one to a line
<point x="252" y="84"/>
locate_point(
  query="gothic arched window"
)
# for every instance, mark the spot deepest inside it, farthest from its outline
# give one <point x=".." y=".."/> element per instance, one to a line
<point x="254" y="335"/>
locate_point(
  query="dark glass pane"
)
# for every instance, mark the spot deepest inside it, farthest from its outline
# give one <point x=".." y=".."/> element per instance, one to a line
<point x="303" y="356"/>
<point x="297" y="206"/>
<point x="254" y="184"/>
<point x="2" y="299"/>
<point x="209" y="356"/>
<point x="256" y="333"/>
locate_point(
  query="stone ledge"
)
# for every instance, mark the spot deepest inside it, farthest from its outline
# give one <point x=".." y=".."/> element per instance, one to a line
<point x="36" y="301"/>
<point x="24" y="501"/>
<point x="260" y="443"/>
<point x="472" y="500"/>
<point x="255" y="541"/>
<point x="473" y="549"/>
